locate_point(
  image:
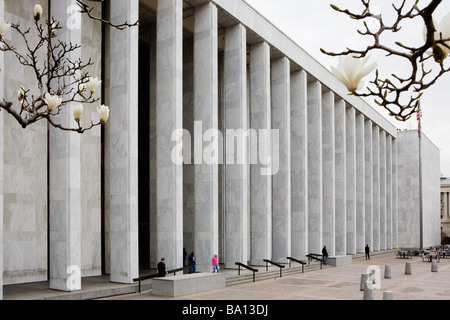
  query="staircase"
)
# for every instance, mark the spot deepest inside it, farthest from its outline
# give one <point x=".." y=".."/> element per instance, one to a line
<point x="272" y="273"/>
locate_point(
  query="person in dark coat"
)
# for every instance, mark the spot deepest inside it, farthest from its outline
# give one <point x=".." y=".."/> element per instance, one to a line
<point x="367" y="252"/>
<point x="324" y="254"/>
<point x="162" y="272"/>
<point x="192" y="263"/>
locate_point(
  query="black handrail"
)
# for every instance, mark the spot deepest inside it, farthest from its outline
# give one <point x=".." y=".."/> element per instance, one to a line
<point x="275" y="264"/>
<point x="299" y="261"/>
<point x="155" y="275"/>
<point x="239" y="264"/>
<point x="314" y="256"/>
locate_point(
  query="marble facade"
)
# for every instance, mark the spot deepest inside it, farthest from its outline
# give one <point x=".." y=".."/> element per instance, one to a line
<point x="342" y="175"/>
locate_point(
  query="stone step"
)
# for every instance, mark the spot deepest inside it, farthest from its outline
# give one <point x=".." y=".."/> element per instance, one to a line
<point x="262" y="274"/>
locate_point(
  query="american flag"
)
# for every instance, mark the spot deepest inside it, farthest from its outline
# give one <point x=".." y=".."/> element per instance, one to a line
<point x="419" y="116"/>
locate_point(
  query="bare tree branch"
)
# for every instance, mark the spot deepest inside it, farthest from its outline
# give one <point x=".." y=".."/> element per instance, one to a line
<point x="60" y="80"/>
<point x="390" y="93"/>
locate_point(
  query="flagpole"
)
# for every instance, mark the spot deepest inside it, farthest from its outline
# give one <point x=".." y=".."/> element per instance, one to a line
<point x="419" y="117"/>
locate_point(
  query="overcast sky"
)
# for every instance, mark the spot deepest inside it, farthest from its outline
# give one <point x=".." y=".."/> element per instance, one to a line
<point x="314" y="25"/>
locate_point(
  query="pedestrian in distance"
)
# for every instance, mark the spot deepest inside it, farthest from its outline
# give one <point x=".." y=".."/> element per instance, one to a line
<point x="324" y="254"/>
<point x="367" y="252"/>
<point x="162" y="271"/>
<point x="192" y="263"/>
<point x="215" y="263"/>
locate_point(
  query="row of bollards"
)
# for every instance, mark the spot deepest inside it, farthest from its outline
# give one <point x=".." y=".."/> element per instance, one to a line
<point x="367" y="285"/>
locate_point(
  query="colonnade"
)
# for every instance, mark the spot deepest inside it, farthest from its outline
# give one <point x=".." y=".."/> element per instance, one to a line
<point x="335" y="180"/>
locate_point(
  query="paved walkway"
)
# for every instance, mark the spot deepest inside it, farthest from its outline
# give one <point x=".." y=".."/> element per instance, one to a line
<point x="340" y="283"/>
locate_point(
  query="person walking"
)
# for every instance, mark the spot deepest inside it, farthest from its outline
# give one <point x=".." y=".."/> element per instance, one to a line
<point x="192" y="263"/>
<point x="215" y="263"/>
<point x="367" y="249"/>
<point x="324" y="254"/>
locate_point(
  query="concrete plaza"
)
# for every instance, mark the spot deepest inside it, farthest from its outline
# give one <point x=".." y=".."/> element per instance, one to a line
<point x="335" y="283"/>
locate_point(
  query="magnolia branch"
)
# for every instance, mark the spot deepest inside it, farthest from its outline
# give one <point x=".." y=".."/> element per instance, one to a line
<point x="61" y="79"/>
<point x="390" y="93"/>
<point x="87" y="9"/>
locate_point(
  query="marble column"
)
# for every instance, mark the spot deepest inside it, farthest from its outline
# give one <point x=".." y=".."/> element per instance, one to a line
<point x="444" y="199"/>
<point x="281" y="180"/>
<point x="368" y="172"/>
<point x="376" y="187"/>
<point x="169" y="120"/>
<point x="314" y="167"/>
<point x="350" y="143"/>
<point x="122" y="144"/>
<point x="388" y="192"/>
<point x="340" y="178"/>
<point x="65" y="182"/>
<point x="382" y="190"/>
<point x="299" y="165"/>
<point x="236" y="146"/>
<point x="260" y="171"/>
<point x="360" y="184"/>
<point x="206" y="194"/>
<point x="394" y="195"/>
<point x="328" y="172"/>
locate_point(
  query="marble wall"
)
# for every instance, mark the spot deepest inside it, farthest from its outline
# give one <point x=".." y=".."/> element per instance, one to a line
<point x="409" y="192"/>
<point x="24" y="169"/>
<point x="25" y="206"/>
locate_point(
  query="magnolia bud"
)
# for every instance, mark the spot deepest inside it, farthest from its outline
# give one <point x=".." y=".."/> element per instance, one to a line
<point x="37" y="12"/>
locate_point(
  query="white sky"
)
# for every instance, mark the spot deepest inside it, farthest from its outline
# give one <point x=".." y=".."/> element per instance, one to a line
<point x="313" y="24"/>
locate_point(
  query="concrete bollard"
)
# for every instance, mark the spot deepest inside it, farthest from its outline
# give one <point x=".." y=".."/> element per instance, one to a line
<point x="387" y="272"/>
<point x="368" y="291"/>
<point x="388" y="295"/>
<point x="434" y="266"/>
<point x="408" y="268"/>
<point x="364" y="278"/>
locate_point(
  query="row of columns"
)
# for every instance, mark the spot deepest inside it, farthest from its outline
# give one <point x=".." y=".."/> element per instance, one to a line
<point x="335" y="183"/>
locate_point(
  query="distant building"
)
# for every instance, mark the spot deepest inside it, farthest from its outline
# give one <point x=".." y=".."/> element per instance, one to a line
<point x="445" y="205"/>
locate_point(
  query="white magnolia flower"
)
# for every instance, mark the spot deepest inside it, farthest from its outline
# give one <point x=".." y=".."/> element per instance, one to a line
<point x="53" y="27"/>
<point x="82" y="88"/>
<point x="350" y="71"/>
<point x="21" y="93"/>
<point x="4" y="27"/>
<point x="52" y="101"/>
<point x="93" y="84"/>
<point x="442" y="32"/>
<point x="78" y="112"/>
<point x="37" y="12"/>
<point x="103" y="111"/>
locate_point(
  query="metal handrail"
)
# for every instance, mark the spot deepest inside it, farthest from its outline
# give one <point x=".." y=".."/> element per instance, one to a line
<point x="299" y="261"/>
<point x="275" y="264"/>
<point x="155" y="275"/>
<point x="313" y="256"/>
<point x="239" y="264"/>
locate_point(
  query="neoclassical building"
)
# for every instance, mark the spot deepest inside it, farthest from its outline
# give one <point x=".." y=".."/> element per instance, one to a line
<point x="212" y="81"/>
<point x="445" y="204"/>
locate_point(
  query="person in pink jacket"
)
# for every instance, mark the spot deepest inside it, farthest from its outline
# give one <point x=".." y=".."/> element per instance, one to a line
<point x="215" y="263"/>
